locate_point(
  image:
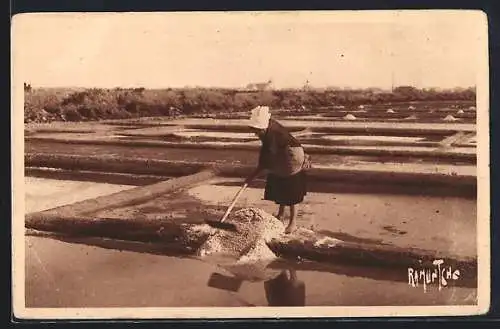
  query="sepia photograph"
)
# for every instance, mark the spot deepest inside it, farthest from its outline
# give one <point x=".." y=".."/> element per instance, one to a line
<point x="250" y="164"/>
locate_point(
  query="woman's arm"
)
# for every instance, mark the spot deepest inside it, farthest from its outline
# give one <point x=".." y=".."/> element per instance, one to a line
<point x="264" y="159"/>
<point x="259" y="170"/>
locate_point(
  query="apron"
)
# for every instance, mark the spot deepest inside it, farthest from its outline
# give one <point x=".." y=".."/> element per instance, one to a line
<point x="288" y="161"/>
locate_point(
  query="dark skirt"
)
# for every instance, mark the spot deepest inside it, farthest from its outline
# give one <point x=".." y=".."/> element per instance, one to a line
<point x="282" y="291"/>
<point x="286" y="190"/>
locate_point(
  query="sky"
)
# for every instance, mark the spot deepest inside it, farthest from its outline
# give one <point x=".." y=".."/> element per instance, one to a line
<point x="160" y="50"/>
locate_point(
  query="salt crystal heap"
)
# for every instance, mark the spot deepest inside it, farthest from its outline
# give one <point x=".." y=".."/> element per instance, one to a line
<point x="255" y="228"/>
<point x="349" y="117"/>
<point x="450" y="117"/>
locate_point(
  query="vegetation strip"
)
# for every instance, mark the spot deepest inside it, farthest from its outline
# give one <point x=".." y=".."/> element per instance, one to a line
<point x="59" y="104"/>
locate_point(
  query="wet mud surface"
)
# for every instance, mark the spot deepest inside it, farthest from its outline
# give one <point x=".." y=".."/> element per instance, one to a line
<point x="383" y="219"/>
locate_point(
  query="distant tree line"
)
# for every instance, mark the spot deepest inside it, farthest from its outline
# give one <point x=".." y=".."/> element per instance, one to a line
<point x="118" y="103"/>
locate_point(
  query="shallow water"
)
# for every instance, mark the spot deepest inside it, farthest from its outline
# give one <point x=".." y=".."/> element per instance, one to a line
<point x="198" y="155"/>
<point x="221" y="134"/>
<point x="62" y="274"/>
<point x="374" y="138"/>
<point x="43" y="194"/>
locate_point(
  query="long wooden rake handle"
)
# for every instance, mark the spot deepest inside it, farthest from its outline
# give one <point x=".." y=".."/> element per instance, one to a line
<point x="236" y="197"/>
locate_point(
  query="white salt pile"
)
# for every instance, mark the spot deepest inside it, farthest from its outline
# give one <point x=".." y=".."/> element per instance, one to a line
<point x="472" y="108"/>
<point x="326" y="241"/>
<point x="411" y="117"/>
<point x="411" y="107"/>
<point x="255" y="228"/>
<point x="349" y="117"/>
<point x="390" y="111"/>
<point x="450" y="117"/>
<point x="460" y="112"/>
<point x="361" y="107"/>
<point x="257" y="252"/>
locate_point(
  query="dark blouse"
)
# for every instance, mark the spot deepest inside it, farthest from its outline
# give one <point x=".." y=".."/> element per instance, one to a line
<point x="275" y="144"/>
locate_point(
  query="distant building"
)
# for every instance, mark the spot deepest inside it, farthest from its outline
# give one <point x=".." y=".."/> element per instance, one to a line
<point x="259" y="86"/>
<point x="376" y="91"/>
<point x="27" y="87"/>
<point x="307" y="85"/>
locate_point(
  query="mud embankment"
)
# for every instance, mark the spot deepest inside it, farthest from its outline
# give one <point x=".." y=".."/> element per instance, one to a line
<point x="153" y="169"/>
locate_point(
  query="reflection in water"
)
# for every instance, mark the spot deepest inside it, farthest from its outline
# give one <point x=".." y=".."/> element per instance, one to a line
<point x="268" y="283"/>
<point x="284" y="284"/>
<point x="220" y="281"/>
<point x="285" y="290"/>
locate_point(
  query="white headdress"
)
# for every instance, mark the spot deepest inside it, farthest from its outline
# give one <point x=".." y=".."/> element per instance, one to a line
<point x="260" y="117"/>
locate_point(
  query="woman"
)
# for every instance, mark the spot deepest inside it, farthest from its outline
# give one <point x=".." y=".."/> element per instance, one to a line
<point x="283" y="157"/>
